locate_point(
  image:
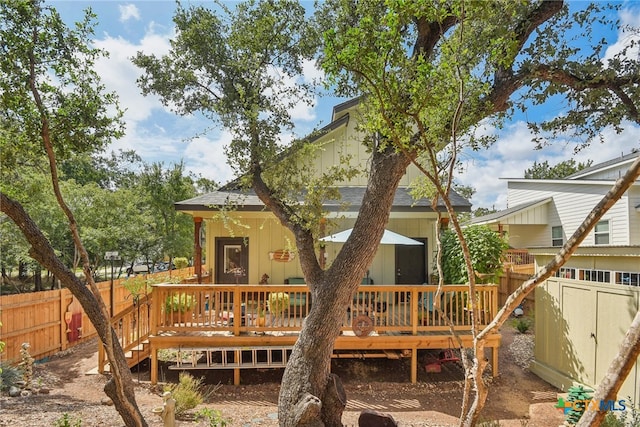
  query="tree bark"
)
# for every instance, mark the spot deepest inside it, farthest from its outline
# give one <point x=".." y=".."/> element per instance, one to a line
<point x="309" y="394"/>
<point x="618" y="371"/>
<point x="44" y="254"/>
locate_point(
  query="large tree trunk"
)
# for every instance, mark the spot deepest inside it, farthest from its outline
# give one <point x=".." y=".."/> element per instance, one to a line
<point x="43" y="253"/>
<point x="310" y="395"/>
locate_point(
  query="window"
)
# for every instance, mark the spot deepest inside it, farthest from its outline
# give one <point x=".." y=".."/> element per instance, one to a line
<point x="566" y="273"/>
<point x="602" y="276"/>
<point x="601" y="233"/>
<point x="628" y="278"/>
<point x="556" y="236"/>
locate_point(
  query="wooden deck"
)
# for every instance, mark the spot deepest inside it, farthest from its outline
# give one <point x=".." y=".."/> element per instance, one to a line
<point x="235" y="319"/>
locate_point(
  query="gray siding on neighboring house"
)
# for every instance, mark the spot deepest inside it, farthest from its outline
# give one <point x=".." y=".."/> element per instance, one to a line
<point x="571" y="204"/>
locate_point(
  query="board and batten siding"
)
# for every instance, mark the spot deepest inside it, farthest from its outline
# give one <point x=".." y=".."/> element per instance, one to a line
<point x="265" y="234"/>
<point x="579" y="327"/>
<point x="571" y="204"/>
<point x="347" y="140"/>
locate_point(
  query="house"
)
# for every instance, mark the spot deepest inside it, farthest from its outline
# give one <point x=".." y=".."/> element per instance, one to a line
<point x="248" y="241"/>
<point x="249" y="300"/>
<point x="582" y="313"/>
<point x="543" y="213"/>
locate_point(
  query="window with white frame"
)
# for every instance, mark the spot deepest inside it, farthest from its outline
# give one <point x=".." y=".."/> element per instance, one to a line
<point x="557" y="238"/>
<point x="566" y="273"/>
<point x="627" y="278"/>
<point x="602" y="276"/>
<point x="601" y="233"/>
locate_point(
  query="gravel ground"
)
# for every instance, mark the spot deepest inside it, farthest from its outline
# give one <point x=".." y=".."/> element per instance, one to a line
<point x="69" y="391"/>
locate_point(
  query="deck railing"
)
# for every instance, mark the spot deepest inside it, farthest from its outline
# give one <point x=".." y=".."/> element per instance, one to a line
<point x="174" y="309"/>
<point x="132" y="326"/>
<point x="240" y="309"/>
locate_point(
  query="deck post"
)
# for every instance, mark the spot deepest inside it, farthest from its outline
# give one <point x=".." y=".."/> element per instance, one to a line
<point x="236" y="371"/>
<point x="414" y="365"/>
<point x="236" y="376"/>
<point x="494" y="362"/>
<point x="414" y="310"/>
<point x="197" y="261"/>
<point x="154" y="363"/>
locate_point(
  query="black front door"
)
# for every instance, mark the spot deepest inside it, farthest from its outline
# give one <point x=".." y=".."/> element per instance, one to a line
<point x="232" y="260"/>
<point x="411" y="264"/>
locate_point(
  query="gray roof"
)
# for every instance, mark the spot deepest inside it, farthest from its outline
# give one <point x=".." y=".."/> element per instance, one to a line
<point x="489" y="218"/>
<point x="604" y="165"/>
<point x="248" y="201"/>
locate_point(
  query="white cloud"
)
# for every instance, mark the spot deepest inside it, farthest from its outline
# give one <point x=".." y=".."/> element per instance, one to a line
<point x="205" y="156"/>
<point x="514" y="152"/>
<point x="628" y="18"/>
<point x="128" y="11"/>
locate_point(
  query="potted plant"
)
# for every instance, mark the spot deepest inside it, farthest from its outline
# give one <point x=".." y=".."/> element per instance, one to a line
<point x="179" y="307"/>
<point x="261" y="321"/>
<point x="278" y="305"/>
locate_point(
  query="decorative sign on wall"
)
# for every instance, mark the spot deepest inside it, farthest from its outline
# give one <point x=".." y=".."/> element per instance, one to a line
<point x="282" y="255"/>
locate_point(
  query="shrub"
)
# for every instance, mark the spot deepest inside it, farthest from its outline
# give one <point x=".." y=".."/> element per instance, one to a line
<point x="278" y="302"/>
<point x="214" y="417"/>
<point x="181" y="262"/>
<point x="9" y="376"/>
<point x="631" y="416"/>
<point x="66" y="421"/>
<point x="179" y="303"/>
<point x="187" y="393"/>
<point x="523" y="325"/>
<point x="486" y="248"/>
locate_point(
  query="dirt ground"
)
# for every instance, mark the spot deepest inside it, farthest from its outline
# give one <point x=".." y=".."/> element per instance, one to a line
<point x="381" y="385"/>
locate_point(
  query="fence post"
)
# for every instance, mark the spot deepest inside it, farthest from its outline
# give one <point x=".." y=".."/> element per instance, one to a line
<point x="63" y="322"/>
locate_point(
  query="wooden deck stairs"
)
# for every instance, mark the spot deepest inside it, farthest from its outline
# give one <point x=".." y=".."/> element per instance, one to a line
<point x="134" y="356"/>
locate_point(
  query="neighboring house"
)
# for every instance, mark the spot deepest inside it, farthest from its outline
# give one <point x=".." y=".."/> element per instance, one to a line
<point x="543" y="213"/>
<point x="242" y="241"/>
<point x="581" y="315"/>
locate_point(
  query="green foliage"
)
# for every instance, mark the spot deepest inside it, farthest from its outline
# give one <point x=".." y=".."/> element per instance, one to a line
<point x="631" y="416"/>
<point x="225" y="73"/>
<point x="578" y="396"/>
<point x="179" y="303"/>
<point x="522" y="325"/>
<point x="561" y="170"/>
<point x="187" y="393"/>
<point x="278" y="302"/>
<point x="9" y="375"/>
<point x="213" y="416"/>
<point x="486" y="248"/>
<point x="611" y="420"/>
<point x="180" y="262"/>
<point x="67" y="421"/>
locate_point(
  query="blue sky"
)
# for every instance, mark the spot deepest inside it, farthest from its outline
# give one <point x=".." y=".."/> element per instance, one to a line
<point x="157" y="135"/>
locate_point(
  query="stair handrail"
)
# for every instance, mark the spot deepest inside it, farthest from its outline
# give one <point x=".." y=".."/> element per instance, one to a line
<point x="138" y="314"/>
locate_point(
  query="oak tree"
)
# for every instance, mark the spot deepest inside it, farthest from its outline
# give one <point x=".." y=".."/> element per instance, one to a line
<point x="53" y="105"/>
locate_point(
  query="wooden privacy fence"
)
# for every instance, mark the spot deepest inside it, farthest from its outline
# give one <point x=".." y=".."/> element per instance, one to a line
<point x="51" y="321"/>
<point x="509" y="282"/>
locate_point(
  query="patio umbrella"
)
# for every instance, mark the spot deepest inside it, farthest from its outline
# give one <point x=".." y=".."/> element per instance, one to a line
<point x="388" y="238"/>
